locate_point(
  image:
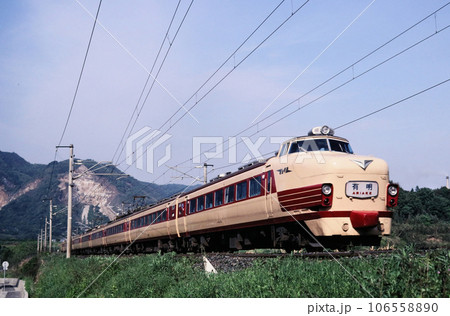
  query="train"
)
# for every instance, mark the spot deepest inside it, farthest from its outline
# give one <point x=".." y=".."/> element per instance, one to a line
<point x="314" y="193"/>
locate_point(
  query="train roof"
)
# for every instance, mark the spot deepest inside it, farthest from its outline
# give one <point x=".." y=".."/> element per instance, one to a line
<point x="318" y="132"/>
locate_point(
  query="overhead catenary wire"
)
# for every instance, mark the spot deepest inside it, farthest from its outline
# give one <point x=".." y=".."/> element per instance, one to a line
<point x="210" y="77"/>
<point x="165" y="38"/>
<point x="130" y="54"/>
<point x="198" y="100"/>
<point x="81" y="73"/>
<point x="314" y="60"/>
<point x="76" y="92"/>
<point x="232" y="55"/>
<point x="394" y="104"/>
<point x="233" y="69"/>
<point x="92" y="193"/>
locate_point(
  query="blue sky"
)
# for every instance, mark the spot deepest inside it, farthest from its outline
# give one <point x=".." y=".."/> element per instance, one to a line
<point x="43" y="45"/>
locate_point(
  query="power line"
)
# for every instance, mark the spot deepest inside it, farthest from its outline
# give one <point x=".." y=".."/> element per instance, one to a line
<point x="314" y="60"/>
<point x="366" y="56"/>
<point x="148" y="79"/>
<point x="156" y="76"/>
<point x="145" y="85"/>
<point x="81" y="72"/>
<point x="229" y="58"/>
<point x="228" y="73"/>
<point x="222" y="79"/>
<point x="75" y="93"/>
<point x="222" y="65"/>
<point x="339" y="86"/>
<point x="394" y="104"/>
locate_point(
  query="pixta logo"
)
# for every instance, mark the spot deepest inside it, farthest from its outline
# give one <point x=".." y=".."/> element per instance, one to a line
<point x="141" y="146"/>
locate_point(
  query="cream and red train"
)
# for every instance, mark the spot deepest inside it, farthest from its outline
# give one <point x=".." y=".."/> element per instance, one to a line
<point x="315" y="191"/>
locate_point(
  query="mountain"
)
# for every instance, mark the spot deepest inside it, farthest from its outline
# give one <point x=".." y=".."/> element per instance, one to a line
<point x="96" y="198"/>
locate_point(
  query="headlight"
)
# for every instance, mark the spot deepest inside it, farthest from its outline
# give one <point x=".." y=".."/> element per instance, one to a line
<point x="321" y="130"/>
<point x="392" y="190"/>
<point x="325" y="130"/>
<point x="326" y="189"/>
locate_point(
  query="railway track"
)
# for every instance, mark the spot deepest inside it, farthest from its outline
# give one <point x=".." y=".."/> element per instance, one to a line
<point x="229" y="262"/>
<point x="338" y="254"/>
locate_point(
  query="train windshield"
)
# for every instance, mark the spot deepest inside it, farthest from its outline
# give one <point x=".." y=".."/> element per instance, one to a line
<point x="336" y="145"/>
<point x="320" y="145"/>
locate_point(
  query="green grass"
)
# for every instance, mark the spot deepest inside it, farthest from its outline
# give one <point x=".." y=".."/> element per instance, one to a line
<point x="424" y="235"/>
<point x="402" y="274"/>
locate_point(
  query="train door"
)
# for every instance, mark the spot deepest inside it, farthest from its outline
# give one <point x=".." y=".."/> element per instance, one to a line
<point x="172" y="212"/>
<point x="170" y="216"/>
<point x="181" y="209"/>
<point x="127" y="230"/>
<point x="104" y="237"/>
<point x="269" y="186"/>
<point x="181" y="212"/>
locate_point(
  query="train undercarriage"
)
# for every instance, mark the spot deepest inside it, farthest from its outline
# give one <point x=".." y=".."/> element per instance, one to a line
<point x="287" y="236"/>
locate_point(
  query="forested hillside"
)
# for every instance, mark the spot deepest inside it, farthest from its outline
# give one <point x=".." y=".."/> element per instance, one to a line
<point x="423" y="205"/>
<point x="97" y="199"/>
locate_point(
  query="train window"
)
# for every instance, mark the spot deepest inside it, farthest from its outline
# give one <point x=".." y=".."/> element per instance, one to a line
<point x="163" y="215"/>
<point x="192" y="206"/>
<point x="153" y="218"/>
<point x="309" y="145"/>
<point x="229" y="194"/>
<point x="284" y="149"/>
<point x="158" y="217"/>
<point x="294" y="148"/>
<point x="218" y="198"/>
<point x="255" y="186"/>
<point x="241" y="191"/>
<point x="209" y="200"/>
<point x="269" y="181"/>
<point x="344" y="147"/>
<point x="200" y="203"/>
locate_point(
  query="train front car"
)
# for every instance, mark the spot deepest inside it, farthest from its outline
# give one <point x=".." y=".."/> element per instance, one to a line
<point x="342" y="198"/>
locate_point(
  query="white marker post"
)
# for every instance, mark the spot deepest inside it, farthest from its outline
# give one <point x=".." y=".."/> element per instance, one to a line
<point x="5" y="266"/>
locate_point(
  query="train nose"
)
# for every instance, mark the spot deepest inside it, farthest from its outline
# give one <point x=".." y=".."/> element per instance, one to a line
<point x="362" y="219"/>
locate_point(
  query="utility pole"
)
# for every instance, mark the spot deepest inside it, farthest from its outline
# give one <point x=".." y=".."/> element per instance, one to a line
<point x="50" y="227"/>
<point x="50" y="224"/>
<point x="69" y="202"/>
<point x="40" y="244"/>
<point x="205" y="172"/>
<point x="45" y="235"/>
<point x="447" y="183"/>
<point x="37" y="250"/>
